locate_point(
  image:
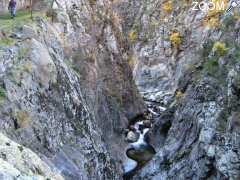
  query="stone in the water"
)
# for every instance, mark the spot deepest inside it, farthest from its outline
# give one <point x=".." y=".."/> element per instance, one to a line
<point x="132" y="136"/>
<point x="129" y="165"/>
<point x="140" y="150"/>
<point x="147" y="123"/>
<point x="142" y="154"/>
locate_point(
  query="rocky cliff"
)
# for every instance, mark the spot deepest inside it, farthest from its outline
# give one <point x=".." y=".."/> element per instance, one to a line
<point x="66" y="89"/>
<point x="187" y="60"/>
<point x="83" y="77"/>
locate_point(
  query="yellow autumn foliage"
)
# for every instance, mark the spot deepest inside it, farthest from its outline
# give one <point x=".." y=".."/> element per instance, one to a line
<point x="218" y="7"/>
<point x="179" y="94"/>
<point x="132" y="36"/>
<point x="212" y="21"/>
<point x="168" y="6"/>
<point x="212" y="18"/>
<point x="220" y="48"/>
<point x="132" y="60"/>
<point x="175" y="39"/>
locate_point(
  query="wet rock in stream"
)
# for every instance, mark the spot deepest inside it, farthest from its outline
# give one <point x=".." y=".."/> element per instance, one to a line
<point x="138" y="151"/>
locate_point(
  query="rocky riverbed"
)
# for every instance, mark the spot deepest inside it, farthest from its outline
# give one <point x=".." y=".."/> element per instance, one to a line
<point x="139" y="150"/>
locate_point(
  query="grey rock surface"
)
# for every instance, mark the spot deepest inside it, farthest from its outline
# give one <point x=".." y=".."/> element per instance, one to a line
<point x="132" y="136"/>
<point x="18" y="162"/>
<point x="197" y="84"/>
<point x="67" y="91"/>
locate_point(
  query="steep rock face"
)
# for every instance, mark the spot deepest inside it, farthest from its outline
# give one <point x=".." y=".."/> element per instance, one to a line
<point x="100" y="57"/>
<point x="194" y="73"/>
<point x="202" y="142"/>
<point x="158" y="65"/>
<point x="67" y="91"/>
<point x="43" y="109"/>
<point x="18" y="162"/>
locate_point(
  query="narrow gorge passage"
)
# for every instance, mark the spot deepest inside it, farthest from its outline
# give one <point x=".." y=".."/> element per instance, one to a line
<point x="139" y="151"/>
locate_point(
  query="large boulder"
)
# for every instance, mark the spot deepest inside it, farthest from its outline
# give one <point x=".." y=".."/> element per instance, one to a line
<point x="20" y="162"/>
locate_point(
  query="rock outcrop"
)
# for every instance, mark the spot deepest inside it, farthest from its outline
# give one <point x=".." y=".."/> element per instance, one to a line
<point x="188" y="61"/>
<point x="67" y="91"/>
<point x="18" y="162"/>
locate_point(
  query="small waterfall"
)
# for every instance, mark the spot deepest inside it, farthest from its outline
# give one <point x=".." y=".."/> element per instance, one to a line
<point x="139" y="151"/>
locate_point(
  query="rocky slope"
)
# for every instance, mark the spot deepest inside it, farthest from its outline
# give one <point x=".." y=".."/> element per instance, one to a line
<point x="68" y="93"/>
<point x="188" y="61"/>
<point x="66" y="89"/>
<point x="18" y="162"/>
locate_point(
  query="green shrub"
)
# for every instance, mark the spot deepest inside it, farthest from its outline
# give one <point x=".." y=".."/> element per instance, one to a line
<point x="229" y="21"/>
<point x="207" y="48"/>
<point x="237" y="55"/>
<point x="235" y="51"/>
<point x="22" y="53"/>
<point x="211" y="66"/>
<point x="2" y="93"/>
<point x="220" y="48"/>
<point x="6" y="41"/>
